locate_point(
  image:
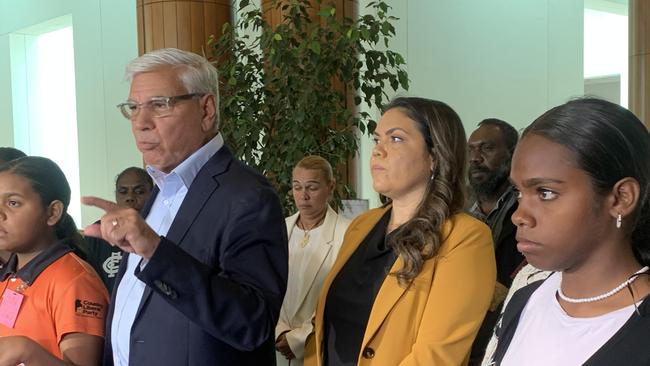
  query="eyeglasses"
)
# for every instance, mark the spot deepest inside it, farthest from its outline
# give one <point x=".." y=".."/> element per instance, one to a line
<point x="158" y="106"/>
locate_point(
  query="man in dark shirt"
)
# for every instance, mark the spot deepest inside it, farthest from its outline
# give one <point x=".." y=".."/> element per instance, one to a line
<point x="490" y="151"/>
<point x="133" y="187"/>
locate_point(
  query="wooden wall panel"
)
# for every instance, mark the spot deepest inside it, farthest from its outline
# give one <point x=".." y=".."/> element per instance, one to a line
<point x="639" y="59"/>
<point x="157" y="19"/>
<point x="210" y="21"/>
<point x="216" y="15"/>
<point x="139" y="14"/>
<point x="184" y="24"/>
<point x="348" y="8"/>
<point x="196" y="26"/>
<point x="148" y="28"/>
<point x="170" y="30"/>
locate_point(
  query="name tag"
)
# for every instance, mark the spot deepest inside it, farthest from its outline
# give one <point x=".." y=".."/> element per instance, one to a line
<point x="11" y="301"/>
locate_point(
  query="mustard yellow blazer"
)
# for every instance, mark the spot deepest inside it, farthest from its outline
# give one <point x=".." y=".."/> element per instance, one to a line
<point x="435" y="319"/>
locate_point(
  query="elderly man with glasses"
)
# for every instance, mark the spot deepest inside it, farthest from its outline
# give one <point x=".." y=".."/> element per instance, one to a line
<point x="207" y="266"/>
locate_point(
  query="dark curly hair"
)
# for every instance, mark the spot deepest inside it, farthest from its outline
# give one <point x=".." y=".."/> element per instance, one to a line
<point x="420" y="238"/>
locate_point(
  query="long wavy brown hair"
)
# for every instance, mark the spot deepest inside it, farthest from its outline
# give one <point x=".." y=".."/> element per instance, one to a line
<point x="419" y="239"/>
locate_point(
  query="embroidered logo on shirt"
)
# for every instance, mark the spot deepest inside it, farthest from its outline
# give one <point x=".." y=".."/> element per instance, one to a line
<point x="88" y="308"/>
<point x="112" y="264"/>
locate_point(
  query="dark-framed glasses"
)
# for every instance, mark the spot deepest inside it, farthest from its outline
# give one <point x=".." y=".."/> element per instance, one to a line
<point x="157" y="106"/>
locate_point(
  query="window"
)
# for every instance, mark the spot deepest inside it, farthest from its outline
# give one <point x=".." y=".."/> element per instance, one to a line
<point x="606" y="50"/>
<point x="44" y="99"/>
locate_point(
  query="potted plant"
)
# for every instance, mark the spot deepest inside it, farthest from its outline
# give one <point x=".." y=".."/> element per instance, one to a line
<point x="293" y="89"/>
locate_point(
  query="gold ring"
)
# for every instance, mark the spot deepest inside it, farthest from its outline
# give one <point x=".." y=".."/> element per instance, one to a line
<point x="114" y="222"/>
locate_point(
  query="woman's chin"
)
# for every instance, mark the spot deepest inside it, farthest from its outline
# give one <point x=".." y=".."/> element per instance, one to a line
<point x="380" y="189"/>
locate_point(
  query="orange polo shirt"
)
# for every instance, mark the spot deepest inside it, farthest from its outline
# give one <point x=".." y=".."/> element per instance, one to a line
<point x="67" y="297"/>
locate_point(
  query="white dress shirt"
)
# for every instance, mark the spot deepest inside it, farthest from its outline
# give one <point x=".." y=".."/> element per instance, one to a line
<point x="173" y="188"/>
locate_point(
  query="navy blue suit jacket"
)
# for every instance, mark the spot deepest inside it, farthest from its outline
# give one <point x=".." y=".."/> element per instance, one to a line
<point x="215" y="283"/>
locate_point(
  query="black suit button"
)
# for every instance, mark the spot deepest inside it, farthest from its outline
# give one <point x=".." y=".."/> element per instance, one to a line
<point x="368" y="352"/>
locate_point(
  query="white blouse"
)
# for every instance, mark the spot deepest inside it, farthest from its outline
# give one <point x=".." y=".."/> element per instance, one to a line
<point x="547" y="335"/>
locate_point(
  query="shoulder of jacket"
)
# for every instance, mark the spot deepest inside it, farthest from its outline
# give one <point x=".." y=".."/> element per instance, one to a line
<point x="462" y="226"/>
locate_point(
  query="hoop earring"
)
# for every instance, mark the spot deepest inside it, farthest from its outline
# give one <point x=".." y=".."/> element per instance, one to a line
<point x="619" y="221"/>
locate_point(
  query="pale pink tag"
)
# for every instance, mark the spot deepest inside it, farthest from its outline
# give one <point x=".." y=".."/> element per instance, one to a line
<point x="11" y="301"/>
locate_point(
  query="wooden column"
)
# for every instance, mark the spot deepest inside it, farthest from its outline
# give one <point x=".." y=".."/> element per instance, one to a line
<point x="639" y="64"/>
<point x="183" y="24"/>
<point x="347" y="8"/>
<point x="344" y="8"/>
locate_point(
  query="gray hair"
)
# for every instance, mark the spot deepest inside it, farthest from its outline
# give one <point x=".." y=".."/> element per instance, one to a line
<point x="196" y="73"/>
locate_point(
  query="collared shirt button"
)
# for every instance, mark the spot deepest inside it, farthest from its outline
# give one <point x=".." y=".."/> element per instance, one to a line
<point x="368" y="352"/>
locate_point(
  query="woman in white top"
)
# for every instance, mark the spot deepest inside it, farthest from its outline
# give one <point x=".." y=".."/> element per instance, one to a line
<point x="315" y="236"/>
<point x="582" y="172"/>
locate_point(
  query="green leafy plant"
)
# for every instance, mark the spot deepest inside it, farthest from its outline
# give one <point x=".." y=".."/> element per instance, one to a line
<point x="293" y="89"/>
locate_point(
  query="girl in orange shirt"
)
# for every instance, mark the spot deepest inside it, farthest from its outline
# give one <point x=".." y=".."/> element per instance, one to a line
<point x="52" y="303"/>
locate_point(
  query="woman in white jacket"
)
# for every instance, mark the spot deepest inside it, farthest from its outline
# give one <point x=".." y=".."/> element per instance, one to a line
<point x="315" y="236"/>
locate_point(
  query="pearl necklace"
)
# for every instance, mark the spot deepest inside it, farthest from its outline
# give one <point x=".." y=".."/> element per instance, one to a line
<point x="605" y="295"/>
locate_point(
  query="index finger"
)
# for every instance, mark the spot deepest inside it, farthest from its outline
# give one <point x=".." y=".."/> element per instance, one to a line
<point x="100" y="203"/>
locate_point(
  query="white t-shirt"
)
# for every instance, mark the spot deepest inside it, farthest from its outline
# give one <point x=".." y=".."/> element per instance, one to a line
<point x="547" y="335"/>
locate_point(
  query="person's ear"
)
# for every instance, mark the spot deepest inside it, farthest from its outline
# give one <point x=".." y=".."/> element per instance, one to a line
<point x="209" y="108"/>
<point x="624" y="197"/>
<point x="54" y="212"/>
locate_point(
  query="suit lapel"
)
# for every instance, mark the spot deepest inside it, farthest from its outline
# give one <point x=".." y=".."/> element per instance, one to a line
<point x="202" y="187"/>
<point x="324" y="246"/>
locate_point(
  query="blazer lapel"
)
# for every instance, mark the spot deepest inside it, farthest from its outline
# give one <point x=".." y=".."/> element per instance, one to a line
<point x="389" y="293"/>
<point x="324" y="246"/>
<point x="202" y="187"/>
<point x="353" y="238"/>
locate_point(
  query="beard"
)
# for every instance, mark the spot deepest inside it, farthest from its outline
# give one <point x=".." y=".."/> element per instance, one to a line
<point x="486" y="187"/>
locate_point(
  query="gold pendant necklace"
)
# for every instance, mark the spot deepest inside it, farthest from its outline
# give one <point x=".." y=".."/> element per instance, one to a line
<point x="305" y="239"/>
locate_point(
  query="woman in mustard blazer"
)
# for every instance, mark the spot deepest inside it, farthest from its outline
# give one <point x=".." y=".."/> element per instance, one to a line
<point x="414" y="278"/>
